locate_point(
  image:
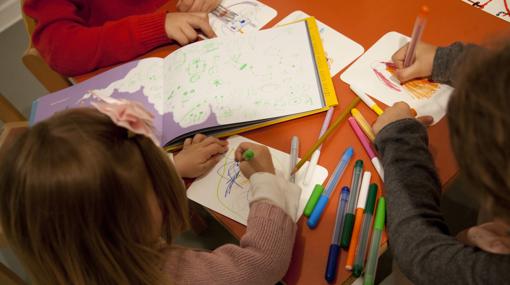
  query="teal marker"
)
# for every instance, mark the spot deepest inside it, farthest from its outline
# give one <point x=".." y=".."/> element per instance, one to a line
<point x="248" y="154"/>
<point x="365" y="229"/>
<point x="373" y="254"/>
<point x="351" y="206"/>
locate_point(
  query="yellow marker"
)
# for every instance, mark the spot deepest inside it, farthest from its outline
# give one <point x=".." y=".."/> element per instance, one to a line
<point x="367" y="100"/>
<point x="376" y="109"/>
<point x="365" y="126"/>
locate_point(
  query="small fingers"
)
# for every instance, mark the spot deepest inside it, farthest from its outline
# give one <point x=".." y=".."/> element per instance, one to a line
<point x="184" y="5"/>
<point x="241" y="148"/>
<point x="210" y="163"/>
<point x="180" y="37"/>
<point x="187" y="142"/>
<point x="213" y="140"/>
<point x="426" y="120"/>
<point x="198" y="138"/>
<point x="197" y="6"/>
<point x="189" y="32"/>
<point x="409" y="73"/>
<point x="399" y="56"/>
<point x="201" y="21"/>
<point x="215" y="148"/>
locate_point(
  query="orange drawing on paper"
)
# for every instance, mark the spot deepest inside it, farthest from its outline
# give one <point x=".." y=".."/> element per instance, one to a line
<point x="418" y="88"/>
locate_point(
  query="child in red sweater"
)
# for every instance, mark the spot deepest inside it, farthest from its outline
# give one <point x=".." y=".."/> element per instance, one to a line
<point x="78" y="36"/>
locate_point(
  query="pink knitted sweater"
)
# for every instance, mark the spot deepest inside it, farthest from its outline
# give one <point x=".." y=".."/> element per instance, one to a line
<point x="262" y="257"/>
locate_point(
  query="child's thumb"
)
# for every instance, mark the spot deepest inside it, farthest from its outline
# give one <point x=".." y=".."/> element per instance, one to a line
<point x="408" y="73"/>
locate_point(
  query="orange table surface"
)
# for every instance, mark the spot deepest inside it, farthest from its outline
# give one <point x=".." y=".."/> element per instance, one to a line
<point x="364" y="21"/>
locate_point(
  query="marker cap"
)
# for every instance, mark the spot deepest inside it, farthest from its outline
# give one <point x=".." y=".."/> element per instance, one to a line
<point x="310" y="205"/>
<point x="380" y="215"/>
<point x="372" y="196"/>
<point x="248" y="154"/>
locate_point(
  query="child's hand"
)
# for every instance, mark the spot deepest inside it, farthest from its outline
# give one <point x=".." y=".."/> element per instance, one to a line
<point x="181" y="27"/>
<point x="199" y="155"/>
<point x="197" y="5"/>
<point x="397" y="112"/>
<point x="261" y="161"/>
<point x="422" y="65"/>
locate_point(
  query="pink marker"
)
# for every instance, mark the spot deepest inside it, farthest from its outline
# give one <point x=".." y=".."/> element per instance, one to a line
<point x="368" y="148"/>
<point x="419" y="26"/>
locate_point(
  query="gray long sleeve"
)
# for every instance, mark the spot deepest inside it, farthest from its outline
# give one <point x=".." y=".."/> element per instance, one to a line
<point x="446" y="62"/>
<point x="418" y="234"/>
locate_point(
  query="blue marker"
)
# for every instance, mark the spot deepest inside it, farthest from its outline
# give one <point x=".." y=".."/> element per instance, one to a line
<point x="313" y="220"/>
<point x="334" y="248"/>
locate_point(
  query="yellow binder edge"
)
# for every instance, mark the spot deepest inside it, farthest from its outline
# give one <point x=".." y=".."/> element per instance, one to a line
<point x="321" y="61"/>
<point x="322" y="64"/>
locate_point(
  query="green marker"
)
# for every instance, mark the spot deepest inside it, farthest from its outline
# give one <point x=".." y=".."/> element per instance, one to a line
<point x="373" y="254"/>
<point x="310" y="205"/>
<point x="353" y="200"/>
<point x="365" y="230"/>
<point x="248" y="154"/>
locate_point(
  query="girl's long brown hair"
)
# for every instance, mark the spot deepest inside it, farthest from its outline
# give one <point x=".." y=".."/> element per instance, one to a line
<point x="479" y="121"/>
<point x="74" y="201"/>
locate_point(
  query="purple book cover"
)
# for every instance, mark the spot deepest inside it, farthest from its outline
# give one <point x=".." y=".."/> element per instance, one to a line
<point x="76" y="96"/>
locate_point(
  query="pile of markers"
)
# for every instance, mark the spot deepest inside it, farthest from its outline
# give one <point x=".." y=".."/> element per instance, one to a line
<point x="353" y="220"/>
<point x="356" y="205"/>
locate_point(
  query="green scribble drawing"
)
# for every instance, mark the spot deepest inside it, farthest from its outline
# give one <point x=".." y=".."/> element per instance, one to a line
<point x="211" y="47"/>
<point x="195" y="115"/>
<point x="235" y="58"/>
<point x="240" y="78"/>
<point x="195" y="69"/>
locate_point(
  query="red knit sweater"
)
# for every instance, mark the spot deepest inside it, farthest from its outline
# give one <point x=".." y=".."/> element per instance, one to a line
<point x="78" y="36"/>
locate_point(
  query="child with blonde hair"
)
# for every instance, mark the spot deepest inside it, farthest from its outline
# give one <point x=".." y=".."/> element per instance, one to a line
<point x="86" y="201"/>
<point x="479" y="126"/>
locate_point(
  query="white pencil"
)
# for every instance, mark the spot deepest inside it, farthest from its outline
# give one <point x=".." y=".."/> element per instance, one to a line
<point x="315" y="157"/>
<point x="366" y="99"/>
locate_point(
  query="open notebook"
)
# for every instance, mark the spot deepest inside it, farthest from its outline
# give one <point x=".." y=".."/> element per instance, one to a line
<point x="219" y="86"/>
<point x="225" y="190"/>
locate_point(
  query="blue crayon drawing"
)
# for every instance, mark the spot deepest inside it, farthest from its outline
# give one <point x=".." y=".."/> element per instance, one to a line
<point x="231" y="176"/>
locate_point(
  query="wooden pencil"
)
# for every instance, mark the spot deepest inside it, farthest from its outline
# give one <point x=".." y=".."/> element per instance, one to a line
<point x="331" y="129"/>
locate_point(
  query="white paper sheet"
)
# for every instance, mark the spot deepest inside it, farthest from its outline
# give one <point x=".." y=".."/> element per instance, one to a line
<point x="260" y="75"/>
<point x="370" y="73"/>
<point x="340" y="50"/>
<point x="494" y="7"/>
<point x="223" y="193"/>
<point x="253" y="15"/>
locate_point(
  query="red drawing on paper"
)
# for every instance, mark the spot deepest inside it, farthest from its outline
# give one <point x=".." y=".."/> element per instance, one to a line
<point x="499" y="9"/>
<point x="418" y="88"/>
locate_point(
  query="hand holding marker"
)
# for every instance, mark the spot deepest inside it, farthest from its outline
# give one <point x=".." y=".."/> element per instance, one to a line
<point x="419" y="26"/>
<point x="332" y="183"/>
<point x="248" y="154"/>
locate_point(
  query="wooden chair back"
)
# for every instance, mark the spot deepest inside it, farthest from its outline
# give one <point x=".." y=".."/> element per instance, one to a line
<point x="33" y="61"/>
